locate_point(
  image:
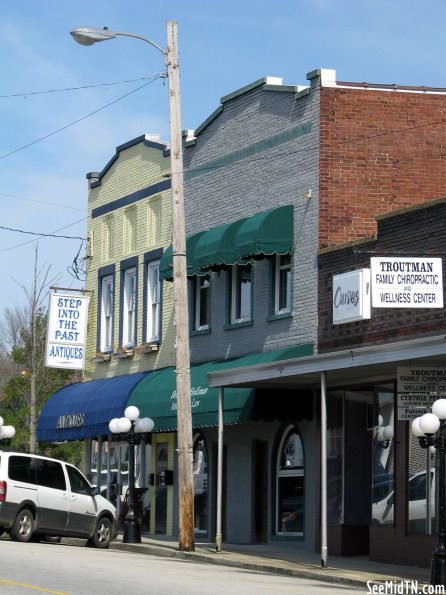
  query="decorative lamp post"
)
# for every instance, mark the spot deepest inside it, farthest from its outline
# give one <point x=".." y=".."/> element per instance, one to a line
<point x="6" y="432"/>
<point x="131" y="426"/>
<point x="430" y="429"/>
<point x="89" y="36"/>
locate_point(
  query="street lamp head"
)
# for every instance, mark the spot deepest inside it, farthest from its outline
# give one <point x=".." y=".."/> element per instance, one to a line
<point x="123" y="425"/>
<point x="113" y="425"/>
<point x="429" y="423"/>
<point x="7" y="432"/>
<point x="90" y="35"/>
<point x="439" y="408"/>
<point x="416" y="430"/>
<point x="144" y="425"/>
<point x="131" y="413"/>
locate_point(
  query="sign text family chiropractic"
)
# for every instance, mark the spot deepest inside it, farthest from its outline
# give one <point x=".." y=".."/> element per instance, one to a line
<point x="66" y="333"/>
<point x="407" y="282"/>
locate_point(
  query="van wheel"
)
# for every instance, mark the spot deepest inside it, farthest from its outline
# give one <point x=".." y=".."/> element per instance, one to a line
<point x="23" y="527"/>
<point x="102" y="535"/>
<point x="52" y="538"/>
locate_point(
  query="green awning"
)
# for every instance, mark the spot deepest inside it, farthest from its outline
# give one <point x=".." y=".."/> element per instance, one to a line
<point x="166" y="263"/>
<point x="155" y="396"/>
<point x="215" y="248"/>
<point x="266" y="233"/>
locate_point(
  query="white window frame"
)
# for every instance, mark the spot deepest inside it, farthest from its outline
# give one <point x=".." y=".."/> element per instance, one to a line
<point x="153" y="302"/>
<point x="294" y="471"/>
<point x="282" y="268"/>
<point x="200" y="288"/>
<point x="239" y="293"/>
<point x="107" y="312"/>
<point x="129" y="308"/>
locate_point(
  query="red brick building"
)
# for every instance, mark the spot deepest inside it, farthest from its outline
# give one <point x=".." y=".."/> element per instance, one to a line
<point x="382" y="148"/>
<point x="381" y="191"/>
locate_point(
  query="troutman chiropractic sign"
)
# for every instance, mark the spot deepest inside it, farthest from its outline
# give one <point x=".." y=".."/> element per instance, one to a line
<point x="406" y="282"/>
<point x="418" y="388"/>
<point x="67" y="330"/>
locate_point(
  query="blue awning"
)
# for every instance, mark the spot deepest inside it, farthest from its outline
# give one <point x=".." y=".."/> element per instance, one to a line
<point x="84" y="409"/>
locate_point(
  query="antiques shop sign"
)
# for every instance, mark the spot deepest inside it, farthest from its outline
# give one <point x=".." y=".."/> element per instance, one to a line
<point x="66" y="332"/>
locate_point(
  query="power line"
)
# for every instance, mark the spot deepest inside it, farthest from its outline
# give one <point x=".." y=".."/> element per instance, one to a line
<point x="152" y="79"/>
<point x="48" y="235"/>
<point x="43" y="202"/>
<point x="30" y="93"/>
<point x="43" y="235"/>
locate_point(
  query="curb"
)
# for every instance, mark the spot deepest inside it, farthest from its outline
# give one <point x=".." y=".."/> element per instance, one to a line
<point x="326" y="576"/>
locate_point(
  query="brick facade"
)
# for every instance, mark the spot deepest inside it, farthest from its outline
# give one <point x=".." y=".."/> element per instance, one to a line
<point x="259" y="151"/>
<point x="413" y="232"/>
<point x="380" y="151"/>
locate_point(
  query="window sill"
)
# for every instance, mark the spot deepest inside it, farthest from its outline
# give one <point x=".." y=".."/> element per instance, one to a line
<point x="201" y="331"/>
<point x="123" y="353"/>
<point x="148" y="348"/>
<point x="280" y="316"/>
<point x="233" y="325"/>
<point x="101" y="357"/>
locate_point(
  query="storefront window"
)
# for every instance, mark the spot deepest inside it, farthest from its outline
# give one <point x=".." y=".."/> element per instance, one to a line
<point x="335" y="448"/>
<point x="290" y="484"/>
<point x="421" y="464"/>
<point x="383" y="495"/>
<point x="200" y="469"/>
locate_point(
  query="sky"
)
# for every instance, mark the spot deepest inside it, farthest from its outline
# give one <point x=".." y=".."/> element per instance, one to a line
<point x="64" y="108"/>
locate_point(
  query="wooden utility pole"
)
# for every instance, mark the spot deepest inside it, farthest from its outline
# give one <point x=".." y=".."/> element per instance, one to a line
<point x="184" y="414"/>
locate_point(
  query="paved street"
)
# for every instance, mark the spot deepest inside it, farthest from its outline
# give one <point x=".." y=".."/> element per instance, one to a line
<point x="73" y="570"/>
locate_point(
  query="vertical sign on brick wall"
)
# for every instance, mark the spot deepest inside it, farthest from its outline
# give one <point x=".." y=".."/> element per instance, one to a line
<point x="407" y="282"/>
<point x="351" y="296"/>
<point x="67" y="331"/>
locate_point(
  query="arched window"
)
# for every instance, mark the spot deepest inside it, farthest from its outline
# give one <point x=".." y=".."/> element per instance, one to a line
<point x="200" y="469"/>
<point x="290" y="484"/>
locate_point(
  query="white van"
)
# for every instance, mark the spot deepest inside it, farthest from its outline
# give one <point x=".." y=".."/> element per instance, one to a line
<point x="40" y="496"/>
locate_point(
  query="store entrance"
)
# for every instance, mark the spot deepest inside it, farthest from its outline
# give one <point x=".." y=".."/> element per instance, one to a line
<point x="261" y="491"/>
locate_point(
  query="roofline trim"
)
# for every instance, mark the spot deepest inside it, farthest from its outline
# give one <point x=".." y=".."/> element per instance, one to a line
<point x="335" y="360"/>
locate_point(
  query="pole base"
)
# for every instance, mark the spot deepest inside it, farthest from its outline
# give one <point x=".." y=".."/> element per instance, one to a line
<point x="438" y="570"/>
<point x="132" y="533"/>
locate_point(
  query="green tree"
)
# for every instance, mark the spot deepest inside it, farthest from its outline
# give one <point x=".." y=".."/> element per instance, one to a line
<point x="31" y="383"/>
<point x="17" y="393"/>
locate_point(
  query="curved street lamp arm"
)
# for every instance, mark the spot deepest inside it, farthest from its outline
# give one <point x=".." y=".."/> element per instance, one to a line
<point x="164" y="52"/>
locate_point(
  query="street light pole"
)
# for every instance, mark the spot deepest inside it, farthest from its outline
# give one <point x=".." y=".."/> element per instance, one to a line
<point x="184" y="414"/>
<point x="129" y="425"/>
<point x="88" y="36"/>
<point x="430" y="429"/>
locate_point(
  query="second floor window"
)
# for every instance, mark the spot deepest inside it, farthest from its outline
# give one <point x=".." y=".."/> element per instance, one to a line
<point x="241" y="298"/>
<point x="107" y="313"/>
<point x="282" y="284"/>
<point x="129" y="308"/>
<point x="153" y="302"/>
<point x="201" y="306"/>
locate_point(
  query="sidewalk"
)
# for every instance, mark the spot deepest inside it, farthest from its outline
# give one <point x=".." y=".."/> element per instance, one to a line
<point x="281" y="558"/>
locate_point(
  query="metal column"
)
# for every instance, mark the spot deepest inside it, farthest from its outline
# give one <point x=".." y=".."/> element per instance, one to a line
<point x="324" y="548"/>
<point x="218" y="535"/>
